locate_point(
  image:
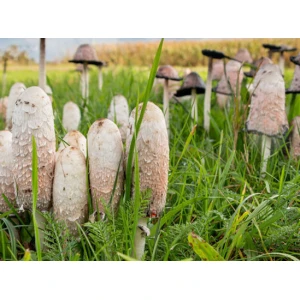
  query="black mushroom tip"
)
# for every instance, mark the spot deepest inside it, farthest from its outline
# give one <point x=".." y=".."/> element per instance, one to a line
<point x="192" y="81"/>
<point x="272" y="47"/>
<point x="169" y="78"/>
<point x="280" y="48"/>
<point x="289" y="91"/>
<point x="213" y="54"/>
<point x="249" y="74"/>
<point x="295" y="60"/>
<point x="218" y="91"/>
<point x="89" y="62"/>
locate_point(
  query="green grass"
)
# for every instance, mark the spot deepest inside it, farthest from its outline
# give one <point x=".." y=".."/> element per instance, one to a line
<point x="215" y="190"/>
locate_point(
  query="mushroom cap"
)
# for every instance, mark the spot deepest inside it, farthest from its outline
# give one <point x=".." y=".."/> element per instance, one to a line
<point x="48" y="90"/>
<point x="105" y="154"/>
<point x="167" y="72"/>
<point x="295" y="59"/>
<point x="295" y="137"/>
<point x="213" y="54"/>
<point x="33" y="116"/>
<point x="267" y="110"/>
<point x="70" y="203"/>
<point x="152" y="146"/>
<point x="71" y="116"/>
<point x="243" y="55"/>
<point x="228" y="82"/>
<point x="294" y="88"/>
<point x="279" y="48"/>
<point x="6" y="175"/>
<point x="3" y="107"/>
<point x="191" y="81"/>
<point x="75" y="139"/>
<point x="15" y="91"/>
<point x="118" y="112"/>
<point x="217" y="70"/>
<point x="258" y="63"/>
<point x="86" y="54"/>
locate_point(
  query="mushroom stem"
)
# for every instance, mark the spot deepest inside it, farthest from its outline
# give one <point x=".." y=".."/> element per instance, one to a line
<point x="85" y="91"/>
<point x="281" y="62"/>
<point x="140" y="238"/>
<point x="208" y="95"/>
<point x="266" y="151"/>
<point x="100" y="78"/>
<point x="194" y="106"/>
<point x="166" y="103"/>
<point x="42" y="65"/>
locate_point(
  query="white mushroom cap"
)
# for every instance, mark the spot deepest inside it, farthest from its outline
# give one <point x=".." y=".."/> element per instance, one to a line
<point x="71" y="116"/>
<point x="233" y="75"/>
<point x="118" y="112"/>
<point x="295" y="137"/>
<point x="267" y="110"/>
<point x="75" y="139"/>
<point x="6" y="175"/>
<point x="33" y="116"/>
<point x="15" y="91"/>
<point x="217" y="69"/>
<point x="70" y="203"/>
<point x="3" y="107"/>
<point x="105" y="154"/>
<point x="152" y="146"/>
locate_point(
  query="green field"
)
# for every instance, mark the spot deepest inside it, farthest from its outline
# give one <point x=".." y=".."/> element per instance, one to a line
<point x="215" y="190"/>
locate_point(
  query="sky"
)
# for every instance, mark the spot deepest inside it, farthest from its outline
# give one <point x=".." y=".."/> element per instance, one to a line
<point x="56" y="48"/>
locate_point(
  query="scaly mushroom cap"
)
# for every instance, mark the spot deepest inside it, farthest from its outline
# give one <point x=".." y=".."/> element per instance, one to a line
<point x="71" y="116"/>
<point x="33" y="116"/>
<point x="295" y="85"/>
<point x="85" y="54"/>
<point x="3" y="107"/>
<point x="75" y="139"/>
<point x="295" y="137"/>
<point x="152" y="146"/>
<point x="6" y="175"/>
<point x="243" y="55"/>
<point x="258" y="63"/>
<point x="15" y="91"/>
<point x="118" y="112"/>
<point x="228" y="84"/>
<point x="105" y="154"/>
<point x="191" y="81"/>
<point x="70" y="203"/>
<point x="167" y="72"/>
<point x="267" y="110"/>
<point x="217" y="70"/>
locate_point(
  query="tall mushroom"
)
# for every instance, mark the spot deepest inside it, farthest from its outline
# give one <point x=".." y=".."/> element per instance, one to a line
<point x="70" y="203"/>
<point x="6" y="175"/>
<point x="267" y="114"/>
<point x="152" y="148"/>
<point x="105" y="154"/>
<point x="85" y="54"/>
<point x="192" y="85"/>
<point x="167" y="73"/>
<point x="71" y="116"/>
<point x="118" y="112"/>
<point x="295" y="137"/>
<point x="15" y="91"/>
<point x="33" y="116"/>
<point x="281" y="49"/>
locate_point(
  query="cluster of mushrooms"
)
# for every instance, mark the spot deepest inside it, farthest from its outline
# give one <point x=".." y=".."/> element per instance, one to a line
<point x="62" y="173"/>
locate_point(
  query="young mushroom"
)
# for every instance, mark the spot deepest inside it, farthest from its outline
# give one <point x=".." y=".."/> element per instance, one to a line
<point x="267" y="114"/>
<point x="33" y="116"/>
<point x="71" y="116"/>
<point x="152" y="149"/>
<point x="70" y="203"/>
<point x="192" y="85"/>
<point x="243" y="55"/>
<point x="75" y="139"/>
<point x="118" y="112"/>
<point x="15" y="91"/>
<point x="168" y="73"/>
<point x="106" y="172"/>
<point x="3" y="107"/>
<point x="6" y="175"/>
<point x="295" y="137"/>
